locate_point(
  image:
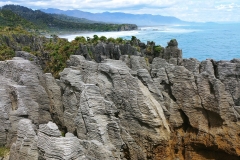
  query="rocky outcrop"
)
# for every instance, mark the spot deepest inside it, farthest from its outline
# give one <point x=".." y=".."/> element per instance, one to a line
<point x="128" y="27"/>
<point x="108" y="50"/>
<point x="23" y="96"/>
<point x="172" y="53"/>
<point x="19" y="41"/>
<point x="25" y="146"/>
<point x="171" y="108"/>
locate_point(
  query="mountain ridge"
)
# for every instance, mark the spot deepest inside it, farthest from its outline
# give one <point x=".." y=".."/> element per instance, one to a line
<point x="119" y="17"/>
<point x="59" y="23"/>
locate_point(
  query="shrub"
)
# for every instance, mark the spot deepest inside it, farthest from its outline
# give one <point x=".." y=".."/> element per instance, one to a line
<point x="6" y="53"/>
<point x="4" y="151"/>
<point x="149" y="50"/>
<point x="80" y="39"/>
<point x="119" y="40"/>
<point x="111" y="40"/>
<point x="133" y="38"/>
<point x="103" y="38"/>
<point x="95" y="38"/>
<point x="147" y="61"/>
<point x="90" y="53"/>
<point x="26" y="48"/>
<point x="157" y="49"/>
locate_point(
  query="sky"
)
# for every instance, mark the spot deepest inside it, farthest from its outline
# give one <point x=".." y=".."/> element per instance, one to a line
<point x="188" y="10"/>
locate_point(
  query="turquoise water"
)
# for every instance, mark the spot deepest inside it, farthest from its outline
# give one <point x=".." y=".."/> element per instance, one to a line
<point x="215" y="41"/>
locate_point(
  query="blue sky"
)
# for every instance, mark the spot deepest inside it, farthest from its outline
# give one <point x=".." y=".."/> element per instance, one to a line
<point x="189" y="10"/>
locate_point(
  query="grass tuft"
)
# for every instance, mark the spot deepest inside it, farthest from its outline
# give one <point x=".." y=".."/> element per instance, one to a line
<point x="4" y="151"/>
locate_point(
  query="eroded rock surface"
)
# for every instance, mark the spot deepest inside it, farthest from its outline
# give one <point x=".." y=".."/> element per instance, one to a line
<point x="173" y="108"/>
<point x="22" y="96"/>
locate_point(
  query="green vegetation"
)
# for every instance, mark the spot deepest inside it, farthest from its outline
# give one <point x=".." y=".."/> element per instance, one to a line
<point x="95" y="39"/>
<point x="55" y="51"/>
<point x="26" y="48"/>
<point x="157" y="48"/>
<point x="111" y="40"/>
<point x="10" y="19"/>
<point x="147" y="61"/>
<point x="133" y="38"/>
<point x="15" y="15"/>
<point x="63" y="133"/>
<point x="138" y="48"/>
<point x="6" y="52"/>
<point x="103" y="39"/>
<point x="90" y="53"/>
<point x="149" y="50"/>
<point x="4" y="151"/>
<point x="120" y="40"/>
<point x="81" y="40"/>
<point x="9" y="38"/>
<point x="59" y="51"/>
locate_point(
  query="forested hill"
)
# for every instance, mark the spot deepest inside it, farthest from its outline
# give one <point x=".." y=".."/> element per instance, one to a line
<point x="10" y="19"/>
<point x="55" y="22"/>
<point x="64" y="17"/>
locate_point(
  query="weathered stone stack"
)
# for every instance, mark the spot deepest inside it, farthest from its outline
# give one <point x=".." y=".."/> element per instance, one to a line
<point x="172" y="53"/>
<point x="173" y="108"/>
<point x="108" y="50"/>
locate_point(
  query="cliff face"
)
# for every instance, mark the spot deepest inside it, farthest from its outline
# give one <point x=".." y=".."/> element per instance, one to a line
<point x="171" y="108"/>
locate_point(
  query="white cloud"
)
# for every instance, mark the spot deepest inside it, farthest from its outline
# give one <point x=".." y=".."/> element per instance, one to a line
<point x="227" y="6"/>
<point x="6" y="2"/>
<point x="189" y="10"/>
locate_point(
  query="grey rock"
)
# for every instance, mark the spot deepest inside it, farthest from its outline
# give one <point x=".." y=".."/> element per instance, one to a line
<point x="69" y="135"/>
<point x="158" y="72"/>
<point x="50" y="129"/>
<point x="121" y="109"/>
<point x="94" y="110"/>
<point x="54" y="93"/>
<point x="127" y="49"/>
<point x="173" y="42"/>
<point x="52" y="146"/>
<point x="27" y="56"/>
<point x="136" y="62"/>
<point x="192" y="65"/>
<point x="22" y="96"/>
<point x="172" y="51"/>
<point x="25" y="147"/>
<point x="5" y="106"/>
<point x="207" y="66"/>
<point x="228" y="73"/>
<point x="62" y="148"/>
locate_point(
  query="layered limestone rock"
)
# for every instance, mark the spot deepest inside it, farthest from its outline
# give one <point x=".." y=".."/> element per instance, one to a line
<point x="172" y="53"/>
<point x="104" y="102"/>
<point x="171" y="108"/>
<point x="22" y="96"/>
<point x="25" y="146"/>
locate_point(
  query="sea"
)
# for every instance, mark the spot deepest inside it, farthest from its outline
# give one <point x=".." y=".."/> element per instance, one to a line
<point x="200" y="41"/>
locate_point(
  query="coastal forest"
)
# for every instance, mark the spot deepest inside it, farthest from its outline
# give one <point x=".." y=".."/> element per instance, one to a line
<point x="36" y="20"/>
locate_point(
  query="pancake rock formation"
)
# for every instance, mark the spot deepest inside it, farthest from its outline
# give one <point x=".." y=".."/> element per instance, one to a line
<point x="121" y="108"/>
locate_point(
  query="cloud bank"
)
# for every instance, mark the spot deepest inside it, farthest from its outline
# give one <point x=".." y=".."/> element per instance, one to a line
<point x="188" y="10"/>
